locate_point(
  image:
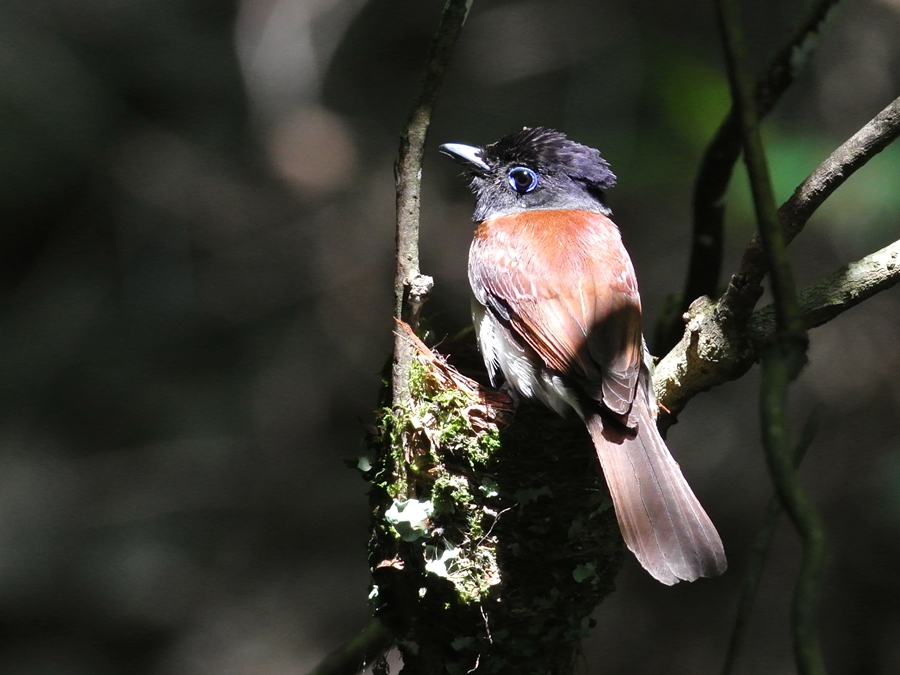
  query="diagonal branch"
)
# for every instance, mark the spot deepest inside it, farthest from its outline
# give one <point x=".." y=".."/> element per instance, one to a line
<point x="711" y="351"/>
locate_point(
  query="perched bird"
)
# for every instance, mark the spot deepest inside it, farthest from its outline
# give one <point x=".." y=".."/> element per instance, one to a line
<point x="557" y="312"/>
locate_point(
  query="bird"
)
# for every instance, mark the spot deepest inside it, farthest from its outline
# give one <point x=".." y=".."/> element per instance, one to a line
<point x="557" y="314"/>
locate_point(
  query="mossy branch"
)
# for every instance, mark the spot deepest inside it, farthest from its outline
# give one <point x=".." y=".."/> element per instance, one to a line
<point x="411" y="287"/>
<point x="491" y="543"/>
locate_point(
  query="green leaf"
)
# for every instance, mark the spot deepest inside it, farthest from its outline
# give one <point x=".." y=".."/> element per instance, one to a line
<point x="410" y="518"/>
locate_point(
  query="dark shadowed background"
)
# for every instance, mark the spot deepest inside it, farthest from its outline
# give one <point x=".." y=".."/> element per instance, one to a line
<point x="195" y="272"/>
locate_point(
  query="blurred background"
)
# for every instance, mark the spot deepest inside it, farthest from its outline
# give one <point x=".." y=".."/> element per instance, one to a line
<point x="195" y="300"/>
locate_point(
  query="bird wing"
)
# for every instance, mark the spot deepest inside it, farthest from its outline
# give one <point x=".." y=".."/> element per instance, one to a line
<point x="562" y="281"/>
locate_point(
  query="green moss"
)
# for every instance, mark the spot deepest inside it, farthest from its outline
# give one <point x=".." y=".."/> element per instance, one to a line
<point x="429" y="451"/>
<point x="520" y="544"/>
<point x="452" y="496"/>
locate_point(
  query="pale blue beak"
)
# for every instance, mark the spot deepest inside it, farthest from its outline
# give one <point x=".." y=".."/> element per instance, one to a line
<point x="467" y="155"/>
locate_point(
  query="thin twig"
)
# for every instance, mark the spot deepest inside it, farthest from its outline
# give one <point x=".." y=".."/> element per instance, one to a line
<point x="782" y="359"/>
<point x="758" y="172"/>
<point x="410" y="286"/>
<point x="354" y="656"/>
<point x="778" y="370"/>
<point x="722" y="153"/>
<point x="757" y="559"/>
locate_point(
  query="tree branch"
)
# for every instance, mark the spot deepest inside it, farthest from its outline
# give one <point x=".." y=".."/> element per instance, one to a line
<point x="725" y="148"/>
<point x="845" y="288"/>
<point x="779" y="369"/>
<point x="411" y="288"/>
<point x="709" y="355"/>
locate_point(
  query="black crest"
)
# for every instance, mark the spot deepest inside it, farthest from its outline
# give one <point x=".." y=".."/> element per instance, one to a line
<point x="549" y="152"/>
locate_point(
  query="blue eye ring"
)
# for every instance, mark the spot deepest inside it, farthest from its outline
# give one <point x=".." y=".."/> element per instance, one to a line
<point x="522" y="179"/>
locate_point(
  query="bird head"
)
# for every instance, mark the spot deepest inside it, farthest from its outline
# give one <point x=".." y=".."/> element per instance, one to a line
<point x="535" y="168"/>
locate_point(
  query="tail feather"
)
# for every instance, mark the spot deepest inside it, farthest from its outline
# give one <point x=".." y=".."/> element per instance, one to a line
<point x="661" y="520"/>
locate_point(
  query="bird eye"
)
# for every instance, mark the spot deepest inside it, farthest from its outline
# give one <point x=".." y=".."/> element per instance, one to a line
<point x="522" y="179"/>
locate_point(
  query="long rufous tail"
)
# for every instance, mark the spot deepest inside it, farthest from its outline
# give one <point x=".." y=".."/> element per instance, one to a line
<point x="661" y="520"/>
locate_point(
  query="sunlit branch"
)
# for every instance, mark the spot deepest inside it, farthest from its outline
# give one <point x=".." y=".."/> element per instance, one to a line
<point x="708" y="356"/>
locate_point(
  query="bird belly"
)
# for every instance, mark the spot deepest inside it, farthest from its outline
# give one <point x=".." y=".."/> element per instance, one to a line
<point x="519" y="364"/>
